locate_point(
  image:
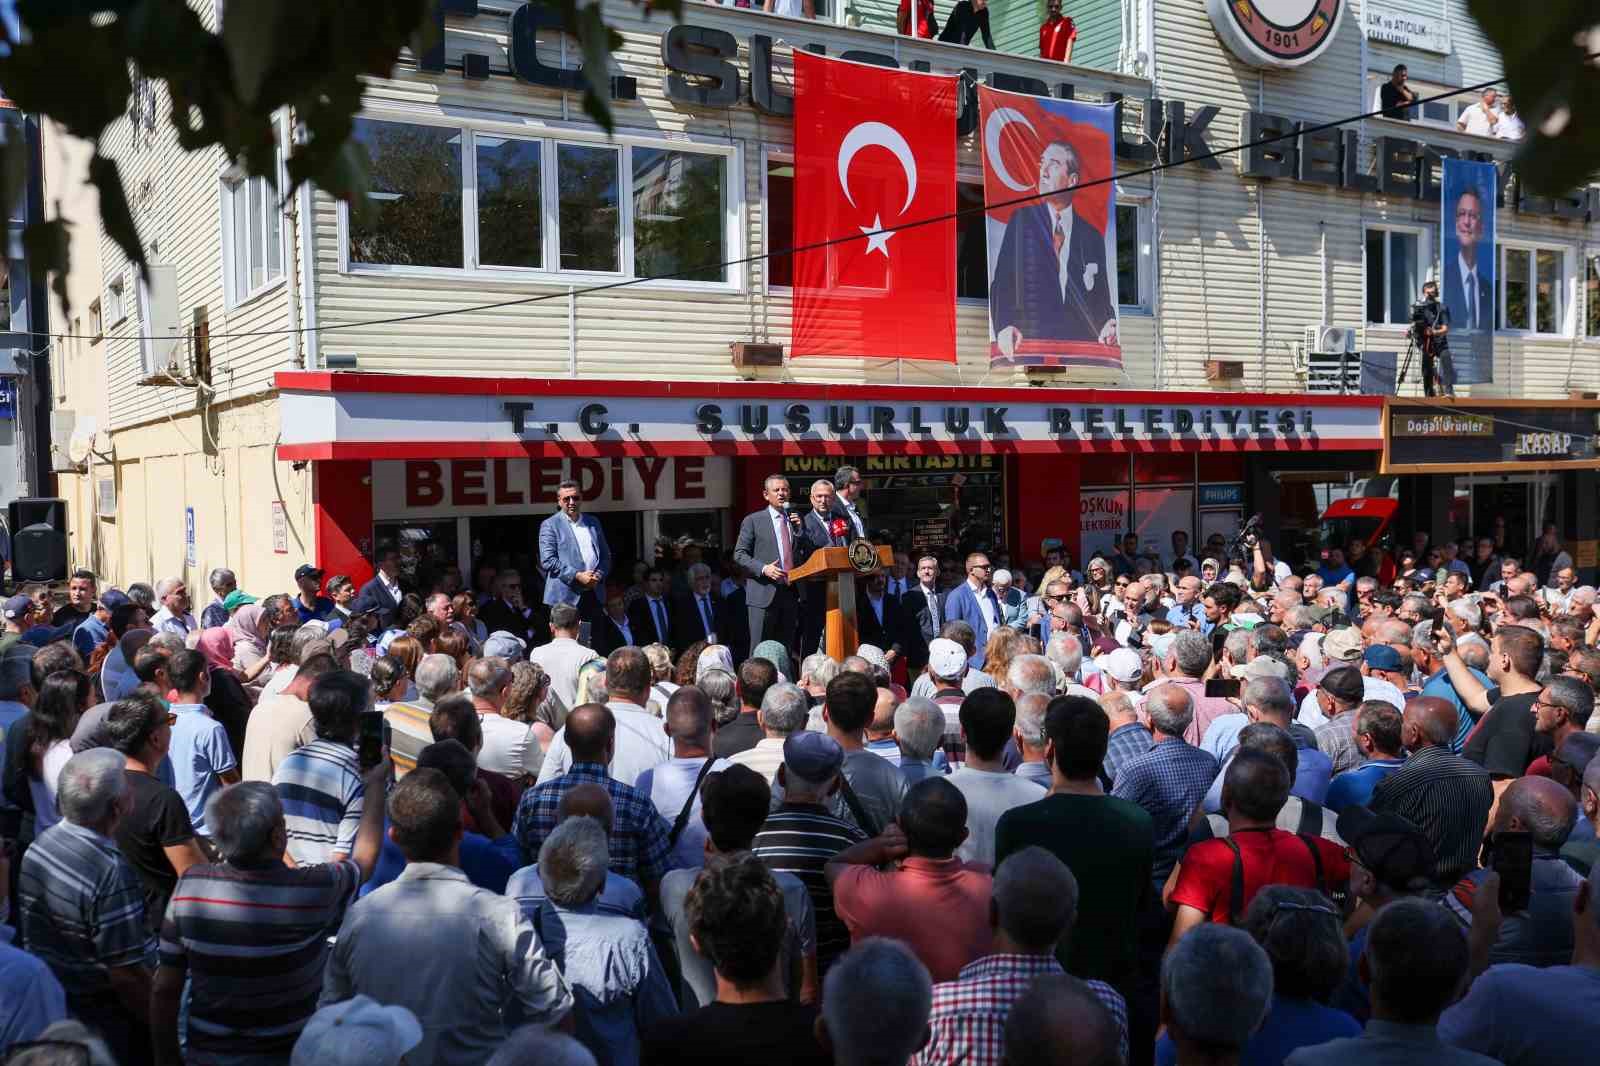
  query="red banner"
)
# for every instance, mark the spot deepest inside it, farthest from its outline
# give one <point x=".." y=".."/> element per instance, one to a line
<point x="875" y="150"/>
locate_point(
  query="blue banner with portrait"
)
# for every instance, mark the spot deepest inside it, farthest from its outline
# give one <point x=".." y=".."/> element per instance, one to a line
<point x="1467" y="266"/>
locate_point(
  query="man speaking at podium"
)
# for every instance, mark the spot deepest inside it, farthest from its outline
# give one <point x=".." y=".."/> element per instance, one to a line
<point x="771" y="543"/>
<point x="824" y="527"/>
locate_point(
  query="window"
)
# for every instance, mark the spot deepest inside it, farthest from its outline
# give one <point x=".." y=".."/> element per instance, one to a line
<point x="1441" y="113"/>
<point x="1394" y="275"/>
<point x="117" y="299"/>
<point x="677" y="215"/>
<point x="972" y="256"/>
<point x="541" y="204"/>
<point x="1591" y="296"/>
<point x="1533" y="282"/>
<point x="510" y="215"/>
<point x="252" y="236"/>
<point x="780" y="222"/>
<point x="586" y="190"/>
<point x="1135" y="256"/>
<point x="414" y="218"/>
<point x="97" y="328"/>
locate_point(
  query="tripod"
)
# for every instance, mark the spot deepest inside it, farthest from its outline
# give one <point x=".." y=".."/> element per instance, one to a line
<point x="1438" y="363"/>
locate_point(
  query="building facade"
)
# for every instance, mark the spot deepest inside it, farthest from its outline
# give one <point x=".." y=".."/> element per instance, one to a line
<point x="423" y="374"/>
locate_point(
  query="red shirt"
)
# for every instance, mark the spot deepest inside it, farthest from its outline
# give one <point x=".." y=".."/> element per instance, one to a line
<point x="1054" y="38"/>
<point x="1269" y="857"/>
<point x="925" y="19"/>
<point x="938" y="907"/>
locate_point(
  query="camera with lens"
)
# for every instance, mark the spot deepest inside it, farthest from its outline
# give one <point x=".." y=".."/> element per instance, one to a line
<point x="1424" y="314"/>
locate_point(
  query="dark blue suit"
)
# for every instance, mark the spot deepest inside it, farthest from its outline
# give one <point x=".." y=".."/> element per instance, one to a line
<point x="1451" y="293"/>
<point x="1026" y="291"/>
<point x="961" y="605"/>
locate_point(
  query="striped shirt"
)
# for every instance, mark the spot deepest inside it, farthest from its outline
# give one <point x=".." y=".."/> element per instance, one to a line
<point x="82" y="909"/>
<point x="954" y="744"/>
<point x="321" y="790"/>
<point x="254" y="942"/>
<point x="1448" y="798"/>
<point x="799" y="839"/>
<point x="968" y="1020"/>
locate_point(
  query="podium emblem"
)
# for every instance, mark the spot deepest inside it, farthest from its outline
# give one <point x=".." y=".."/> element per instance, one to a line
<point x="863" y="555"/>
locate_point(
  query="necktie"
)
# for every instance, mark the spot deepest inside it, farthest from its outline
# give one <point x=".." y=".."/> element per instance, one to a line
<point x="1469" y="283"/>
<point x="660" y="616"/>
<point x="933" y="607"/>
<point x="784" y="545"/>
<point x="1058" y="238"/>
<point x="705" y="613"/>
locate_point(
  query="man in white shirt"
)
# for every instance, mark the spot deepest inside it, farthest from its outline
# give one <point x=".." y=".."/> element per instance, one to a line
<point x="174" y="616"/>
<point x="1481" y="118"/>
<point x="794" y="9"/>
<point x="848" y="488"/>
<point x="676" y="782"/>
<point x="509" y="748"/>
<point x="640" y="741"/>
<point x="563" y="657"/>
<point x="987" y="719"/>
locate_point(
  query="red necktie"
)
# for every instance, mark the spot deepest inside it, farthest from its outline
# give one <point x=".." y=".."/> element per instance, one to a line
<point x="1058" y="238"/>
<point x="784" y="544"/>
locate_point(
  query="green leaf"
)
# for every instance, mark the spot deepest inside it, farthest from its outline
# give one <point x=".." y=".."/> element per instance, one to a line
<point x="597" y="41"/>
<point x="115" y="213"/>
<point x="76" y="73"/>
<point x="49" y="250"/>
<point x="254" y="36"/>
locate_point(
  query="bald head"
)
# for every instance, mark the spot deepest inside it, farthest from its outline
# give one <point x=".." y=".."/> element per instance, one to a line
<point x="1540" y="807"/>
<point x="1059" y="1019"/>
<point x="1429" y="722"/>
<point x="689" y="716"/>
<point x="590" y="729"/>
<point x="587" y="800"/>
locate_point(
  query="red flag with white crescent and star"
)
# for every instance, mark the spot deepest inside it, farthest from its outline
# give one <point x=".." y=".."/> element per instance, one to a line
<point x="875" y="150"/>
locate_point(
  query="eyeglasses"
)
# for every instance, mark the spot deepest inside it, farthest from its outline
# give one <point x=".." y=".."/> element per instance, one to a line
<point x="983" y="566"/>
<point x="1309" y="908"/>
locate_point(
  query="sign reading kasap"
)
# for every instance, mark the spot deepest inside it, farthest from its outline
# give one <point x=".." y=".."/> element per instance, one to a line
<point x="1276" y="33"/>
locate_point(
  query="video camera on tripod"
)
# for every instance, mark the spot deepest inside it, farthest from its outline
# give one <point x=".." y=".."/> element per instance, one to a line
<point x="1424" y="316"/>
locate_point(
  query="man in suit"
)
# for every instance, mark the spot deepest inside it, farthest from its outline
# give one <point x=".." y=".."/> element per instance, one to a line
<point x="383" y="592"/>
<point x="1050" y="280"/>
<point x="650" y="614"/>
<point x="921" y="613"/>
<point x="699" y="613"/>
<point x="771" y="543"/>
<point x="573" y="554"/>
<point x="878" y="616"/>
<point x="614" y="629"/>
<point x="818" y="527"/>
<point x="506" y="610"/>
<point x="974" y="603"/>
<point x="848" y="489"/>
<point x="1467" y="292"/>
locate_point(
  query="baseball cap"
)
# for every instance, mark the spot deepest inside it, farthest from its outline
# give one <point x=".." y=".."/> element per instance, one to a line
<point x="503" y="645"/>
<point x="113" y="598"/>
<point x="357" y="1032"/>
<point x="1391" y="847"/>
<point x="1262" y="666"/>
<point x="812" y="756"/>
<point x="946" y="658"/>
<point x="236" y="599"/>
<point x="1423" y="575"/>
<point x="18" y="607"/>
<point x="1382" y="657"/>
<point x="307" y="570"/>
<point x="1122" y="665"/>
<point x="1343" y="644"/>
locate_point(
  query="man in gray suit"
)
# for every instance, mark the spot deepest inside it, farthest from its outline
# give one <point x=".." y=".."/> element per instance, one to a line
<point x="771" y="543"/>
<point x="573" y="554"/>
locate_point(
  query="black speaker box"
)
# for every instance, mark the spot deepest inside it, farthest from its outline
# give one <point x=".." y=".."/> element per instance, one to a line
<point x="39" y="553"/>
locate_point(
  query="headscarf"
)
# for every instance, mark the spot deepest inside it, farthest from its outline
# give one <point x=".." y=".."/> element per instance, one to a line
<point x="216" y="644"/>
<point x="244" y="627"/>
<point x="775" y="653"/>
<point x="714" y="657"/>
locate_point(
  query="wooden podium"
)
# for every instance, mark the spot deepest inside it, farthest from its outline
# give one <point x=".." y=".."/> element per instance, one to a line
<point x="834" y="566"/>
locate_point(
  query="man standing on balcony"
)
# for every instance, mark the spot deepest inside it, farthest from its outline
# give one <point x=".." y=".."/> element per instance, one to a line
<point x="795" y="9"/>
<point x="968" y="19"/>
<point x="926" y="23"/>
<point x="1057" y="35"/>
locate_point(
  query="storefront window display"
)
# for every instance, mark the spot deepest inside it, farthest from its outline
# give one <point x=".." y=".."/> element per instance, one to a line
<point x="922" y="501"/>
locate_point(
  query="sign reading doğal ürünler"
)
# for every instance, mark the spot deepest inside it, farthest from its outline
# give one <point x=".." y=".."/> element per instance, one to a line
<point x="701" y="73"/>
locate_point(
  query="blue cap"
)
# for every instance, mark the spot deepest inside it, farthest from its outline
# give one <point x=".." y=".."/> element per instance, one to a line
<point x="1382" y="657"/>
<point x="17" y="607"/>
<point x="1423" y="575"/>
<point x="812" y="756"/>
<point x="113" y="598"/>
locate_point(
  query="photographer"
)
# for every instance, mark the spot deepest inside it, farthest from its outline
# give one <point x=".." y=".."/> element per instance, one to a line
<point x="1430" y="325"/>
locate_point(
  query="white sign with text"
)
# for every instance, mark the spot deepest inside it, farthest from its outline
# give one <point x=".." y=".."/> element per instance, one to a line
<point x="1393" y="24"/>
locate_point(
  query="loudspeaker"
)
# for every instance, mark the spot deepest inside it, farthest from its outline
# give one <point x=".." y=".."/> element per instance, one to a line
<point x="35" y="511"/>
<point x="39" y="553"/>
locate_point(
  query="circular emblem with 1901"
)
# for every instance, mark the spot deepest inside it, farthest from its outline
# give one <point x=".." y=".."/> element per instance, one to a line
<point x="863" y="555"/>
<point x="1276" y="33"/>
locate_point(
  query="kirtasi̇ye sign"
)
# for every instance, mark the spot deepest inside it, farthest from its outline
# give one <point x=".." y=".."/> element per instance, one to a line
<point x="1276" y="33"/>
<point x="1428" y="437"/>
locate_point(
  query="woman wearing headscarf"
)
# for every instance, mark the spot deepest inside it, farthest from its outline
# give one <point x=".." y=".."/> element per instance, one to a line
<point x="247" y="630"/>
<point x="229" y="700"/>
<point x="775" y="653"/>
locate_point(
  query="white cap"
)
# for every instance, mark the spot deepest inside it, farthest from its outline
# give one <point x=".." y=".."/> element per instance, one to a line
<point x="503" y="645"/>
<point x="1122" y="665"/>
<point x="357" y="1032"/>
<point x="946" y="658"/>
<point x="874" y="655"/>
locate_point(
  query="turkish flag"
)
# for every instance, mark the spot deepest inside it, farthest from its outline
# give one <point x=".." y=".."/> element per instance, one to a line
<point x="875" y="150"/>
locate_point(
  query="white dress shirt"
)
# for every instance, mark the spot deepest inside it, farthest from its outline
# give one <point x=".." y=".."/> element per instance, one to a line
<point x="622" y="624"/>
<point x="586" y="545"/>
<point x="392" y="587"/>
<point x="931" y="594"/>
<point x="855" y="518"/>
<point x="1477" y="119"/>
<point x="986" y="604"/>
<point x="658" y="614"/>
<point x="1470" y="311"/>
<point x="780" y="531"/>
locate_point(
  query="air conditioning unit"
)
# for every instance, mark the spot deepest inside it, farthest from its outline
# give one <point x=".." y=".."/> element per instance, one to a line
<point x="1329" y="339"/>
<point x="63" y="426"/>
<point x="1336" y="372"/>
<point x="163" y="344"/>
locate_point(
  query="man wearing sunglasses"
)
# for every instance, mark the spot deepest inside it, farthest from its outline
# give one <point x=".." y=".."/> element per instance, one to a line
<point x="573" y="554"/>
<point x="975" y="603"/>
<point x="848" y="489"/>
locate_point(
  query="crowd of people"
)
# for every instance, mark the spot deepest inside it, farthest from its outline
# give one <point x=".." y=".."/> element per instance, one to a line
<point x="1156" y="809"/>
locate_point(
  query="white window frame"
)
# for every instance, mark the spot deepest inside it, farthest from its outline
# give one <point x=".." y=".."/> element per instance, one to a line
<point x="1424" y="90"/>
<point x="1424" y="236"/>
<point x="117" y="299"/>
<point x="1591" y="261"/>
<point x="1141" y="202"/>
<point x="551" y="134"/>
<point x="232" y="179"/>
<point x="1567" y="306"/>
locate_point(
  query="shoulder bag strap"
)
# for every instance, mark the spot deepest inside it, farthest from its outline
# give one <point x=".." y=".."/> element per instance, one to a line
<point x="682" y="821"/>
<point x="1236" y="887"/>
<point x="1316" y="860"/>
<point x="1310" y="818"/>
<point x="859" y="812"/>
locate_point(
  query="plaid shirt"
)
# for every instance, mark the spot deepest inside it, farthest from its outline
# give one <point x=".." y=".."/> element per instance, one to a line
<point x="1336" y="738"/>
<point x="1169" y="781"/>
<point x="1125" y="745"/>
<point x="968" y="1021"/>
<point x="638" y="843"/>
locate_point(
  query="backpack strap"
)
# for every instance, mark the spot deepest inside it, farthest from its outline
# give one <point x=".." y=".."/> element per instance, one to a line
<point x="1310" y="819"/>
<point x="1316" y="860"/>
<point x="868" y="825"/>
<point x="680" y="823"/>
<point x="1236" y="888"/>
